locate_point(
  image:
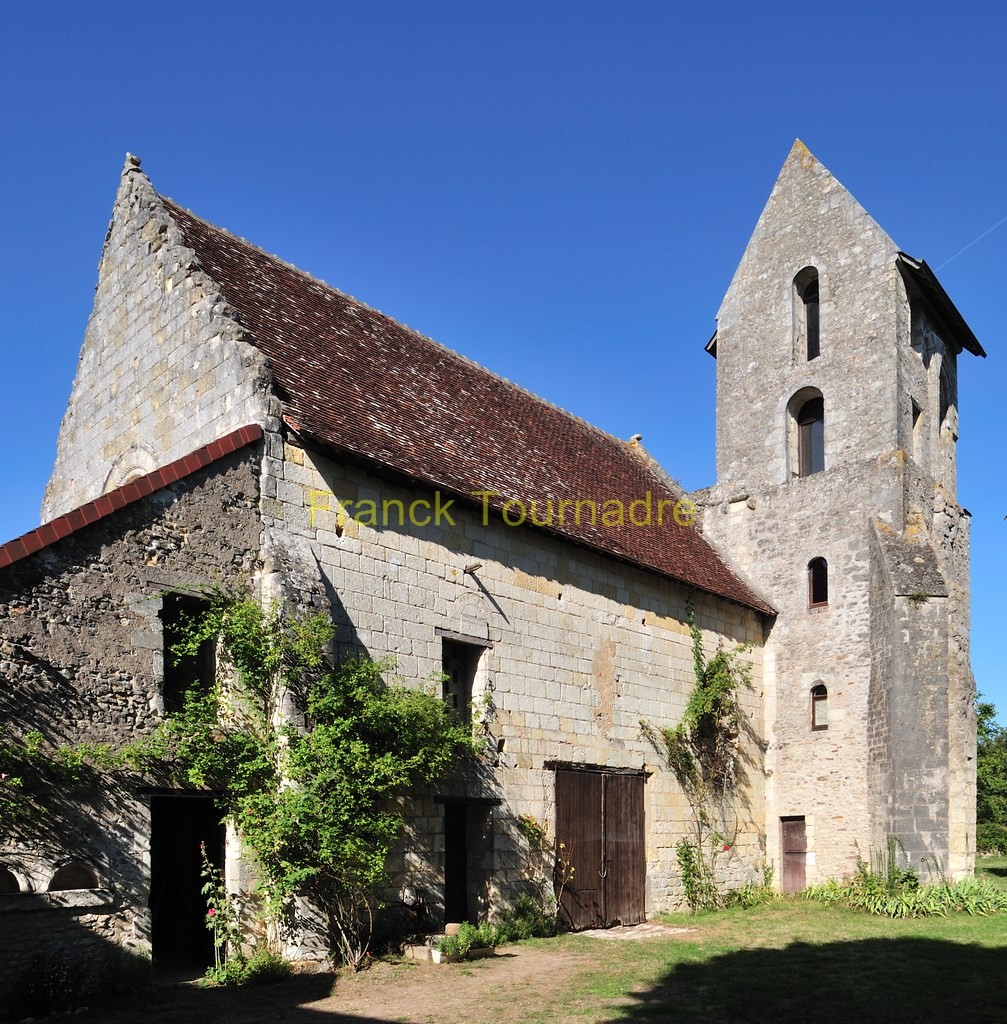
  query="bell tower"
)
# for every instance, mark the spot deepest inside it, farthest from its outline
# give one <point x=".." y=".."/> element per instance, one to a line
<point x="837" y="422"/>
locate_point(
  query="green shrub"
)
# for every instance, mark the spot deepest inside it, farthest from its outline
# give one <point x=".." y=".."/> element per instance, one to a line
<point x="749" y="896"/>
<point x="449" y="945"/>
<point x="470" y="936"/>
<point x="264" y="967"/>
<point x="529" y="918"/>
<point x="967" y="896"/>
<point x="261" y="967"/>
<point x="991" y="838"/>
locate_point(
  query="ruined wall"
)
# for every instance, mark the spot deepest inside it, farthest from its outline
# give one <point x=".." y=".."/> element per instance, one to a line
<point x="578" y="649"/>
<point x="81" y="657"/>
<point x="162" y="370"/>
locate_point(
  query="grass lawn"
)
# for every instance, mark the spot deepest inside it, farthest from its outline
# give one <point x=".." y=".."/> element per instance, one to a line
<point x="796" y="961"/>
<point x="791" y="962"/>
<point x="993" y="869"/>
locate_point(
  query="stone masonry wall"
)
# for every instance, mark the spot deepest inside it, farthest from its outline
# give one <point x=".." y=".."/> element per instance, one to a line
<point x="162" y="370"/>
<point x="579" y="649"/>
<point x="810" y="220"/>
<point x="821" y="775"/>
<point x="877" y="355"/>
<point x="81" y="650"/>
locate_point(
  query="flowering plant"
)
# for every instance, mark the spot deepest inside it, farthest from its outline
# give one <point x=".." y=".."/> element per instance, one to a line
<point x="221" y="917"/>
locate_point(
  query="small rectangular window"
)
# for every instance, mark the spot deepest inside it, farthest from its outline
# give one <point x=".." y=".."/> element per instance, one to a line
<point x="819" y="708"/>
<point x="183" y="672"/>
<point x="460" y="664"/>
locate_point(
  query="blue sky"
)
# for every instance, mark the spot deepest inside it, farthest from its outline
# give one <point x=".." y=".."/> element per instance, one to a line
<point x="560" y="191"/>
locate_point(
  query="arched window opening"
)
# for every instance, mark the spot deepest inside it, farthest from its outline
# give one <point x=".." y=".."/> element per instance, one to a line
<point x="818" y="583"/>
<point x="810" y="299"/>
<point x="73" y="876"/>
<point x="819" y="707"/>
<point x="806" y="314"/>
<point x="8" y="881"/>
<point x="811" y="437"/>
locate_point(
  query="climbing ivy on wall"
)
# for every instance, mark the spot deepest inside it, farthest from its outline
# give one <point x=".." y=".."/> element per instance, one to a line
<point x="703" y="752"/>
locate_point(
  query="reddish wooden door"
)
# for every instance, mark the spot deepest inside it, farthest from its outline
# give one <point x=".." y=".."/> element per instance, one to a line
<point x="795" y="853"/>
<point x="600" y="833"/>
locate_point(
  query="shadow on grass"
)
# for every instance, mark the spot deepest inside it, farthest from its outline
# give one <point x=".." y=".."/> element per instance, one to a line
<point x="999" y="872"/>
<point x="863" y="981"/>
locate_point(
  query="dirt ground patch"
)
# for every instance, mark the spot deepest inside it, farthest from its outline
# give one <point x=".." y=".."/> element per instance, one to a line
<point x="518" y="984"/>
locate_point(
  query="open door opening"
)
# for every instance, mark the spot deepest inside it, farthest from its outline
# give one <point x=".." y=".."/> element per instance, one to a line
<point x="468" y="860"/>
<point x="182" y="945"/>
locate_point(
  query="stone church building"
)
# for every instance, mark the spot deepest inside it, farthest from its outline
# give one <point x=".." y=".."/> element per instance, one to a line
<point x="236" y="423"/>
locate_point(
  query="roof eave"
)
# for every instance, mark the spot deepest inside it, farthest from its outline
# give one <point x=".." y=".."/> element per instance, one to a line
<point x="940" y="302"/>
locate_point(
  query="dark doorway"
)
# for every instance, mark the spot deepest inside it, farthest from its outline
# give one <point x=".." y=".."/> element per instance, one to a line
<point x="600" y="834"/>
<point x="178" y="825"/>
<point x="468" y="856"/>
<point x="795" y="853"/>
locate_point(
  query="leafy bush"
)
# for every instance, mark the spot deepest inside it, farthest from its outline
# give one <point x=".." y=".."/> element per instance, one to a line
<point x="966" y="896"/>
<point x="262" y="967"/>
<point x="991" y="838"/>
<point x="317" y="806"/>
<point x="470" y="936"/>
<point x="749" y="896"/>
<point x="529" y="918"/>
<point x="882" y="887"/>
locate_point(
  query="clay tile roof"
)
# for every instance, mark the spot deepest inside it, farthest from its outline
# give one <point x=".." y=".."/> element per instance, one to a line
<point x="359" y="382"/>
<point x="104" y="505"/>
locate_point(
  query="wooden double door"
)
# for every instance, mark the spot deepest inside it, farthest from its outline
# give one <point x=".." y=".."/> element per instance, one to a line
<point x="600" y="835"/>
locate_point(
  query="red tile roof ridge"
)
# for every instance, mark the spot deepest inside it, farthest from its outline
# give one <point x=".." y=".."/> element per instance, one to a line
<point x="93" y="511"/>
<point x="173" y="206"/>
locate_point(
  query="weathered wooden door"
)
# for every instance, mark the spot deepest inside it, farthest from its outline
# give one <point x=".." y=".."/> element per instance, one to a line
<point x="600" y="834"/>
<point x="795" y="851"/>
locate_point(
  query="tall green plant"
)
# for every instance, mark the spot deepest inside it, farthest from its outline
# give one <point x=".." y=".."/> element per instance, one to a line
<point x="703" y="753"/>
<point x="315" y="805"/>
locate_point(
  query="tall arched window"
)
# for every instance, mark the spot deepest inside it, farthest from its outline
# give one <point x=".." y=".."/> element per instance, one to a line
<point x="811" y="437"/>
<point x="806" y="313"/>
<point x="819" y="707"/>
<point x="818" y="583"/>
<point x="805" y="433"/>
